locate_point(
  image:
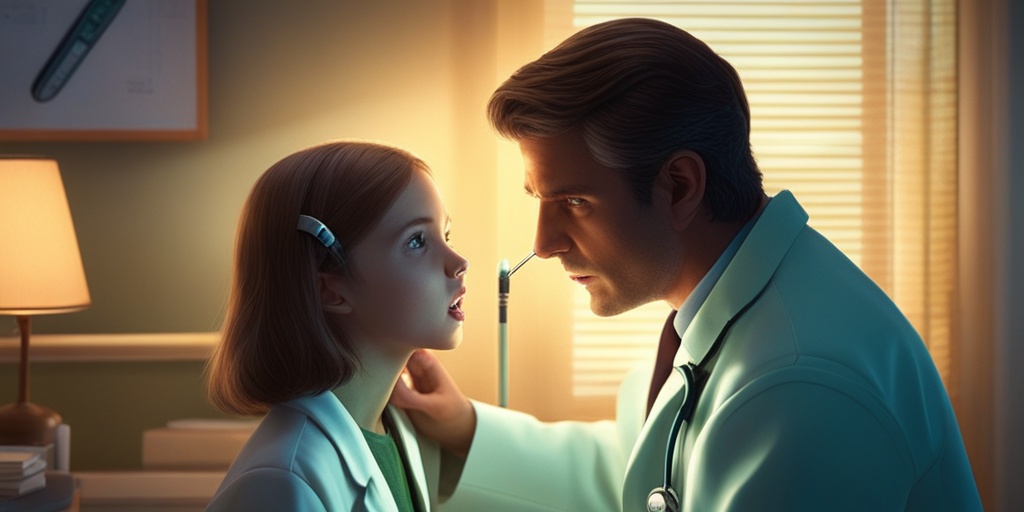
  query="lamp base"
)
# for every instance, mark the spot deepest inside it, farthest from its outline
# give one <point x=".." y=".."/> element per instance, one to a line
<point x="25" y="423"/>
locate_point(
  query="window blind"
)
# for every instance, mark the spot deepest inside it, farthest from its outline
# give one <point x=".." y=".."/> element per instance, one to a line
<point x="853" y="109"/>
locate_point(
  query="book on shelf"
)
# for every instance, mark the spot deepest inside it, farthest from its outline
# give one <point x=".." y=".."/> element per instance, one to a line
<point x="19" y="459"/>
<point x="22" y="469"/>
<point x="14" y="472"/>
<point x="23" y="485"/>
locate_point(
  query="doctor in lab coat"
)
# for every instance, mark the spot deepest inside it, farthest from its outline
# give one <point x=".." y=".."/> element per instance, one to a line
<point x="810" y="389"/>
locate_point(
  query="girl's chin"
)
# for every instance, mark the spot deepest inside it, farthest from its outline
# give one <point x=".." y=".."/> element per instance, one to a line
<point x="453" y="342"/>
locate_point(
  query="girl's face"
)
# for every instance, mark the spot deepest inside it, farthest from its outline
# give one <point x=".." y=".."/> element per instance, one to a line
<point x="409" y="282"/>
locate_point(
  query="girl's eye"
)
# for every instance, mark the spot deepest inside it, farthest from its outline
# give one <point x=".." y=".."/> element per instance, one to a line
<point x="418" y="241"/>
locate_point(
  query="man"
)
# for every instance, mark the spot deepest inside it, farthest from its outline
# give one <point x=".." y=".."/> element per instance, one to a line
<point x="800" y="384"/>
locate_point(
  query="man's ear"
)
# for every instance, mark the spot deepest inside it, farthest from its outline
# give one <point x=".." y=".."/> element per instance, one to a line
<point x="332" y="294"/>
<point x="685" y="176"/>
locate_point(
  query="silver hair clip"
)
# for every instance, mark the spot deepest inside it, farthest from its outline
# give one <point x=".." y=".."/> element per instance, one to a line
<point x="320" y="231"/>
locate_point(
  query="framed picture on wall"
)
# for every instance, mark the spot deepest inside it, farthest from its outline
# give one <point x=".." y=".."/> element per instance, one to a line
<point x="102" y="70"/>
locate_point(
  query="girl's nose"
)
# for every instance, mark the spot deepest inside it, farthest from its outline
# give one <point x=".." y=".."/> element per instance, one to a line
<point x="457" y="265"/>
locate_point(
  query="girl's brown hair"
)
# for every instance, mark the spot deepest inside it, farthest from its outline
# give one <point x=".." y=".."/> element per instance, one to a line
<point x="277" y="344"/>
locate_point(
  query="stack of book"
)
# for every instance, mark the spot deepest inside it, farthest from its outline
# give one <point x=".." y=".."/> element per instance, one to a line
<point x="22" y="470"/>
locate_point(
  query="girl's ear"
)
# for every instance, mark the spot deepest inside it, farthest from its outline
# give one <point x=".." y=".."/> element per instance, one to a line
<point x="332" y="294"/>
<point x="686" y="177"/>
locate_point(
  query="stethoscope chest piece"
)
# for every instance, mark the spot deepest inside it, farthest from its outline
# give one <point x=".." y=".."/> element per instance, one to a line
<point x="695" y="376"/>
<point x="662" y="499"/>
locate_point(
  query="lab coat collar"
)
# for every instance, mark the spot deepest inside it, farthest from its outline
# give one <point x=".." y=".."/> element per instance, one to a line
<point x="344" y="433"/>
<point x="746" y="276"/>
<point x="742" y="281"/>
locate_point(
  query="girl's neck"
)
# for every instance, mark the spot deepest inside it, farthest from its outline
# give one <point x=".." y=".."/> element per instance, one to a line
<point x="366" y="394"/>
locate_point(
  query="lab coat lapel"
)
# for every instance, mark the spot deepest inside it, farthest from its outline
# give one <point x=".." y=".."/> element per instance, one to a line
<point x="416" y="459"/>
<point x="746" y="276"/>
<point x="341" y="429"/>
<point x="646" y="468"/>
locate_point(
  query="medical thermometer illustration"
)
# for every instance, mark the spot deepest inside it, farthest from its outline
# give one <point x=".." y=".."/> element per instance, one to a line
<point x="503" y="279"/>
<point x="77" y="41"/>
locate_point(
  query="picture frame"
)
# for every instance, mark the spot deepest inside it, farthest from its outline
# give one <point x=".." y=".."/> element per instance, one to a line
<point x="103" y="70"/>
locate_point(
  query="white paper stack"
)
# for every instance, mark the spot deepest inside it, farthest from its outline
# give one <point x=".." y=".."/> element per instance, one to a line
<point x="22" y="469"/>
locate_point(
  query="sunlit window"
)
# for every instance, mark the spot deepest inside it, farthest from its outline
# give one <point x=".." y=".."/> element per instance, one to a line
<point x="853" y="109"/>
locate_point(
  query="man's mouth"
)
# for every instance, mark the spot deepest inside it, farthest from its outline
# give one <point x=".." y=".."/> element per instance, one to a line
<point x="582" y="279"/>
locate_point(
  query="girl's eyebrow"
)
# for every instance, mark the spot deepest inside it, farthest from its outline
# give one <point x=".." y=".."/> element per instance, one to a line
<point x="423" y="220"/>
<point x="418" y="220"/>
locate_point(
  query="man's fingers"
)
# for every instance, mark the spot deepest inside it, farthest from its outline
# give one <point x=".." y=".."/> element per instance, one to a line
<point x="423" y="367"/>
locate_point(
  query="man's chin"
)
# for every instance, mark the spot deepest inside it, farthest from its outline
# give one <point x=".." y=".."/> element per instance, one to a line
<point x="606" y="308"/>
<point x="604" y="305"/>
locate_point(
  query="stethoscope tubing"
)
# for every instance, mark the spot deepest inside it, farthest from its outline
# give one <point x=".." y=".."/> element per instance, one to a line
<point x="691" y="394"/>
<point x="682" y="416"/>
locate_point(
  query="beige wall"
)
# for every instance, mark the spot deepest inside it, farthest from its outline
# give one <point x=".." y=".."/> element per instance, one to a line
<point x="156" y="220"/>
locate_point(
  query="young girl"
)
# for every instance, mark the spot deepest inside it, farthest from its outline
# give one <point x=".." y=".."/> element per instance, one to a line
<point x="342" y="271"/>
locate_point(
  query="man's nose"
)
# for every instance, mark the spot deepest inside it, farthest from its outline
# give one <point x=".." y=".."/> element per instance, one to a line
<point x="551" y="238"/>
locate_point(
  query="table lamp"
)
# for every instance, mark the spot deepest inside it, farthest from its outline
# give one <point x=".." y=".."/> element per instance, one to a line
<point x="40" y="273"/>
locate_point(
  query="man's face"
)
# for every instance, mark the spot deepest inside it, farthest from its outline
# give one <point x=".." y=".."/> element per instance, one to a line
<point x="620" y="250"/>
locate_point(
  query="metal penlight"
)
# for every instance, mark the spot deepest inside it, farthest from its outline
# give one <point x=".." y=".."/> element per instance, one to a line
<point x="503" y="278"/>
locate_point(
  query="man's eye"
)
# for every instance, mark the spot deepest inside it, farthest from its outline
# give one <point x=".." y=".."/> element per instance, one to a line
<point x="575" y="202"/>
<point x="418" y="241"/>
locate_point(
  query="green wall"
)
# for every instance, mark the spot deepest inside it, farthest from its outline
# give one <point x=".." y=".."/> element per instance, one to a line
<point x="108" y="405"/>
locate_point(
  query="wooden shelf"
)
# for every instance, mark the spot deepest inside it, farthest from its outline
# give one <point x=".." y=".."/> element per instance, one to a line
<point x="195" y="346"/>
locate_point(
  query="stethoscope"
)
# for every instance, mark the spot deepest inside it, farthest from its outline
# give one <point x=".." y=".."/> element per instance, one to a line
<point x="664" y="498"/>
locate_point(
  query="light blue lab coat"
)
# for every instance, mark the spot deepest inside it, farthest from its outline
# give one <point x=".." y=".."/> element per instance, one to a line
<point x="823" y="397"/>
<point x="308" y="454"/>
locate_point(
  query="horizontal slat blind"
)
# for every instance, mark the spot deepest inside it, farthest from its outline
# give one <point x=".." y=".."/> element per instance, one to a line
<point x="802" y="66"/>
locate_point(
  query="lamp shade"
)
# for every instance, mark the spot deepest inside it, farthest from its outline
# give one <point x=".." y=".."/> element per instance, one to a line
<point x="40" y="266"/>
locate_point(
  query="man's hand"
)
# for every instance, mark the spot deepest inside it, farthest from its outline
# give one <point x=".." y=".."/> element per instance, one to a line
<point x="435" y="404"/>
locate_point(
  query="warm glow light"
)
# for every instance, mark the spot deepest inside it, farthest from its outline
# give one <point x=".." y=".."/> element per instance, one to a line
<point x="40" y="265"/>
